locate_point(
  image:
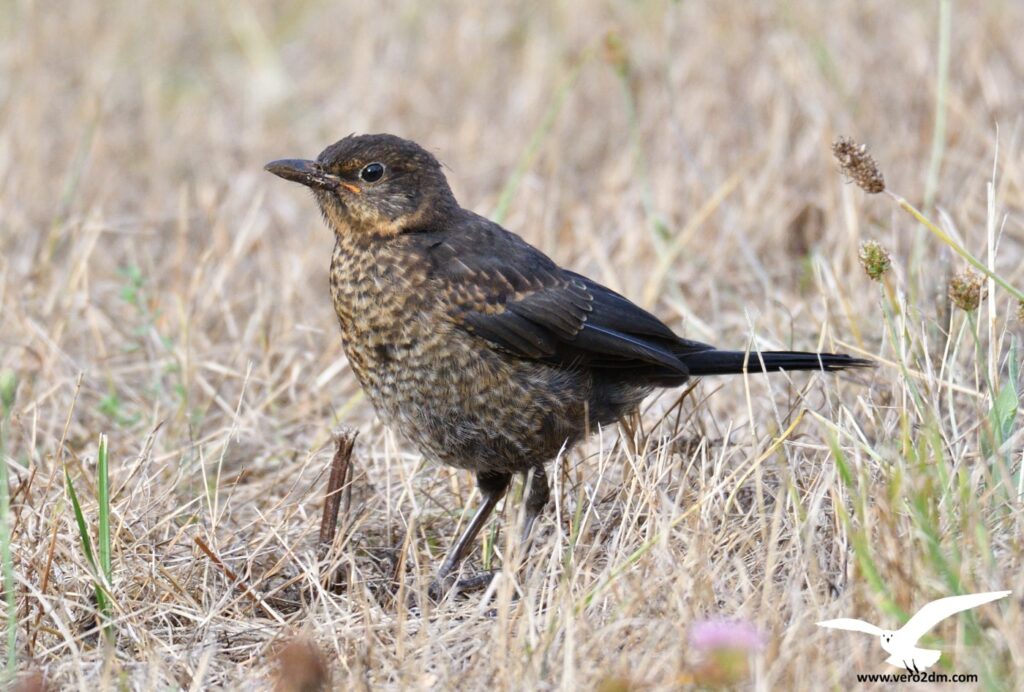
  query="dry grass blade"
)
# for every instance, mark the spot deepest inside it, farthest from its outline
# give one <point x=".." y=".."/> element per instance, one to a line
<point x="236" y="580"/>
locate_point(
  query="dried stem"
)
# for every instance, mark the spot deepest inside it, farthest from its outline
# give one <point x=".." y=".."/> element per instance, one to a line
<point x="344" y="441"/>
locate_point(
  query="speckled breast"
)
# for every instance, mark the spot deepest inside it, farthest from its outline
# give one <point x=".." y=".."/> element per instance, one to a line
<point x="458" y="400"/>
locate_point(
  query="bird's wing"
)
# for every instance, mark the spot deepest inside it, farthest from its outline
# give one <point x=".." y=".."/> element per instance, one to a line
<point x="851" y="624"/>
<point x="501" y="289"/>
<point x="936" y="611"/>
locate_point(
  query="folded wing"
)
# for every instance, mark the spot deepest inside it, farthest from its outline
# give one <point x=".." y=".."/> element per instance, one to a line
<point x="509" y="293"/>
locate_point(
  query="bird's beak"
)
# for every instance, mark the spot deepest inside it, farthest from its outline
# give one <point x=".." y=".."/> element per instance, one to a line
<point x="309" y="173"/>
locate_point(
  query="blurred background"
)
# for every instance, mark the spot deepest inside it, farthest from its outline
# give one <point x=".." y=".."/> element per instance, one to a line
<point x="154" y="277"/>
<point x="133" y="137"/>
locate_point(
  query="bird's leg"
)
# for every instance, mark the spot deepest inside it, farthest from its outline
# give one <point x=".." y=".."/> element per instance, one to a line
<point x="537" y="495"/>
<point x="492" y="487"/>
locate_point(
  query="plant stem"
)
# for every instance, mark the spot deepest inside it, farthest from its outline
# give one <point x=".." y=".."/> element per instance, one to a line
<point x="957" y="248"/>
<point x="103" y="496"/>
<point x="941" y="91"/>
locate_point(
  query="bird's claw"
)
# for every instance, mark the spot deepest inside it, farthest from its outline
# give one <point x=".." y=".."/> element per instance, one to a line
<point x="912" y="667"/>
<point x="440" y="588"/>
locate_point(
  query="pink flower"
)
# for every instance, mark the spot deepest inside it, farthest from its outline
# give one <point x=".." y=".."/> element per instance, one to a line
<point x="723" y="649"/>
<point x="716" y="634"/>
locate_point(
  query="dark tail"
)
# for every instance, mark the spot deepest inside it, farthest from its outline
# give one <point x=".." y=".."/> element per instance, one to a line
<point x="715" y="362"/>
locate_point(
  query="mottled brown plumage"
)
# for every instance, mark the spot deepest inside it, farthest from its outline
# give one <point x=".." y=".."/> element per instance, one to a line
<point x="472" y="343"/>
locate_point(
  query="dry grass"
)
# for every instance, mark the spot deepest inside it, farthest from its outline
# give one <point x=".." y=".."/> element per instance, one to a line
<point x="156" y="285"/>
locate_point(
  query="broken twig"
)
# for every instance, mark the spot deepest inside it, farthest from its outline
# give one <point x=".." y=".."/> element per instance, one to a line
<point x="344" y="440"/>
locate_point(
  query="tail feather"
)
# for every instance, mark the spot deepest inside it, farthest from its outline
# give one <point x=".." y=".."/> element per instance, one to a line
<point x="715" y="362"/>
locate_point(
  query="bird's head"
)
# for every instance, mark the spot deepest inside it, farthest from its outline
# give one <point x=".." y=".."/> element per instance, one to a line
<point x="373" y="185"/>
<point x="886" y="638"/>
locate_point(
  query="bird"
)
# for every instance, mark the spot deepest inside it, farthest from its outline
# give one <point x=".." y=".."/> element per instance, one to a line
<point x="901" y="644"/>
<point x="474" y="345"/>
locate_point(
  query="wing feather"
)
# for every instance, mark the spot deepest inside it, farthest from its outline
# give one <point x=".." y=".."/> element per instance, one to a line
<point x="503" y="290"/>
<point x="516" y="333"/>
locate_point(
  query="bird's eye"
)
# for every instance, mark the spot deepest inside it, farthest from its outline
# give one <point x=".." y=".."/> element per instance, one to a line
<point x="372" y="172"/>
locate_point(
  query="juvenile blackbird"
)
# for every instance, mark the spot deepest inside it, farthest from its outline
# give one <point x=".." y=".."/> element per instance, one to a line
<point x="472" y="343"/>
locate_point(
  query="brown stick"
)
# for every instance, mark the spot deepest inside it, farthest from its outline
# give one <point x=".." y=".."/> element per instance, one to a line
<point x="344" y="440"/>
<point x="46" y="582"/>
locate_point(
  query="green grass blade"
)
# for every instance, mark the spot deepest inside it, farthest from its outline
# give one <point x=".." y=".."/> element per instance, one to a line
<point x="7" y="559"/>
<point x="83" y="533"/>
<point x="103" y="491"/>
<point x="1007" y="402"/>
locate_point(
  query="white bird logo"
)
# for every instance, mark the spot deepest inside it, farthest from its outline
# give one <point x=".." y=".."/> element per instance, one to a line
<point x="902" y="644"/>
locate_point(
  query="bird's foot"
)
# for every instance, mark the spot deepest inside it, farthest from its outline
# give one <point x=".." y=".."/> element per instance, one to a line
<point x="912" y="667"/>
<point x="450" y="585"/>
